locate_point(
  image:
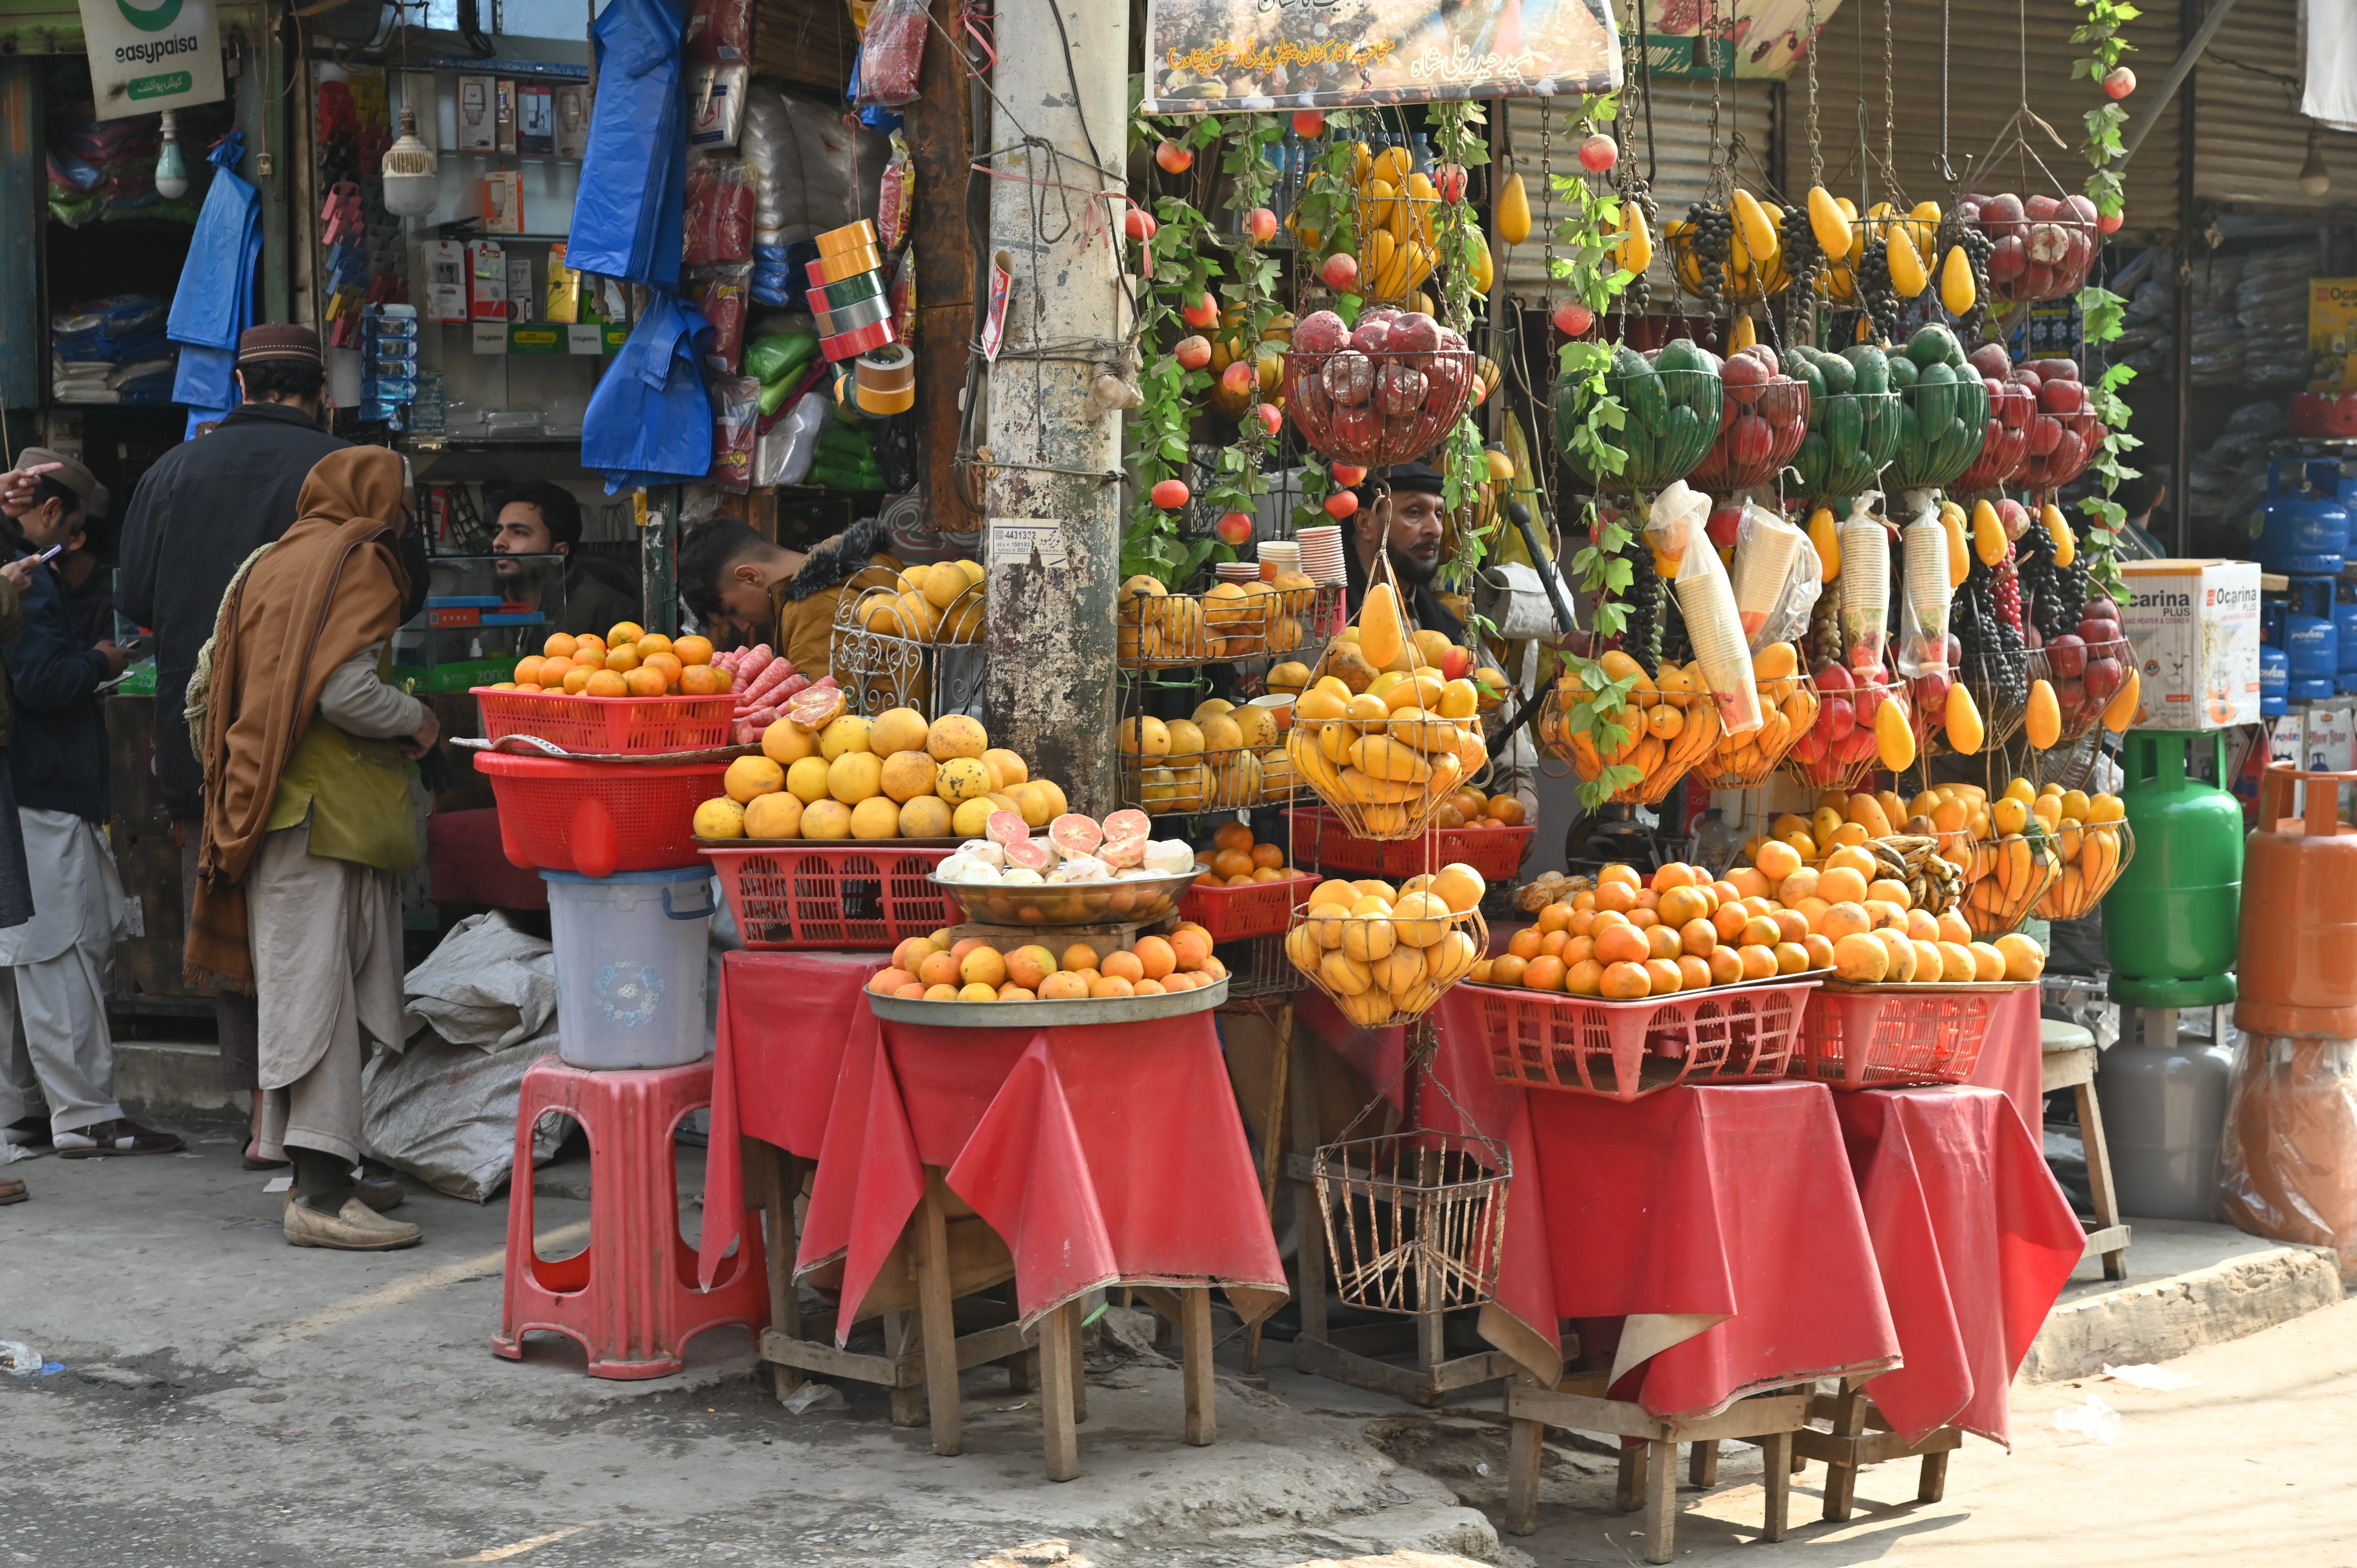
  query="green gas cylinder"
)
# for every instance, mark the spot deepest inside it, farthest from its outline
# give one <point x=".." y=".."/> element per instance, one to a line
<point x="2169" y="921"/>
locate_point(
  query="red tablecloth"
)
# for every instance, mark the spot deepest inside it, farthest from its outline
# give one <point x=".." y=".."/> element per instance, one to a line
<point x="1101" y="1154"/>
<point x="2009" y="1059"/>
<point x="1974" y="1241"/>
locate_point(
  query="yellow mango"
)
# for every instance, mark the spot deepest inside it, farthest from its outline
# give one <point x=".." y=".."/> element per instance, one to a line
<point x="1956" y="291"/>
<point x="1988" y="535"/>
<point x="1514" y="210"/>
<point x="1966" y="731"/>
<point x="2043" y="723"/>
<point x="1383" y="634"/>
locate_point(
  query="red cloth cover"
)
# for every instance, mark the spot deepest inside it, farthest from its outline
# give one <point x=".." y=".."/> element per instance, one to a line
<point x="786" y="1017"/>
<point x="2010" y="1057"/>
<point x="1973" y="1239"/>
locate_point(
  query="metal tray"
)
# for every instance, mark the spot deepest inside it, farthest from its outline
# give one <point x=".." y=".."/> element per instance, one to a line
<point x="1070" y="1013"/>
<point x="1138" y="901"/>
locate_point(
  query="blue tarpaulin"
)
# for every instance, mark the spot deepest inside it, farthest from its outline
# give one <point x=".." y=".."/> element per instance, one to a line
<point x="215" y="300"/>
<point x="648" y="421"/>
<point x="626" y="219"/>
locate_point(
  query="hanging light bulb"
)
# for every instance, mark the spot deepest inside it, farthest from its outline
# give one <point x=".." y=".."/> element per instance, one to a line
<point x="411" y="187"/>
<point x="171" y="168"/>
<point x="2315" y="180"/>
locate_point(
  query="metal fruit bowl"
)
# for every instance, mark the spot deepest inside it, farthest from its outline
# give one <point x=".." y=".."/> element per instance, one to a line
<point x="1136" y="899"/>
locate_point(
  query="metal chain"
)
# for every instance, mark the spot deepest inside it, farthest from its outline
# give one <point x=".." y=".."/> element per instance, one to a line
<point x="1710" y="62"/>
<point x="1889" y="103"/>
<point x="1947" y="170"/>
<point x="1817" y="142"/>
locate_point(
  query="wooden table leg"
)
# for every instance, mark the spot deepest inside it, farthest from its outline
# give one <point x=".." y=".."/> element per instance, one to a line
<point x="1057" y="1331"/>
<point x="1776" y="1461"/>
<point x="1932" y="1485"/>
<point x="774" y="1177"/>
<point x="905" y="1347"/>
<point x="1023" y="1372"/>
<point x="937" y="1322"/>
<point x="1840" y="1479"/>
<point x="2099" y="1175"/>
<point x="1661" y="1501"/>
<point x="1273" y="1150"/>
<point x="1525" y="1444"/>
<point x="1702" y="1463"/>
<point x="1309" y="1257"/>
<point x="1195" y="1340"/>
<point x="1078" y="1359"/>
<point x="1630" y="1494"/>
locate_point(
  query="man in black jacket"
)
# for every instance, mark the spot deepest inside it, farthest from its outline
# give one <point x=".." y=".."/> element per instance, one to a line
<point x="53" y="994"/>
<point x="1400" y="512"/>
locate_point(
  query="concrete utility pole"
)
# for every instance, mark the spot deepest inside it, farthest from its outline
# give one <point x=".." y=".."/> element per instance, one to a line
<point x="1053" y="507"/>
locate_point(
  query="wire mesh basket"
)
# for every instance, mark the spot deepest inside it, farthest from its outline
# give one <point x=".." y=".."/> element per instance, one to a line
<point x="1395" y="798"/>
<point x="2061" y="448"/>
<point x="2005" y="441"/>
<point x="2048" y="257"/>
<point x="2006" y="879"/>
<point x="1761" y="428"/>
<point x="1415" y="1219"/>
<point x="1740" y="282"/>
<point x="1952" y="420"/>
<point x="1824" y="760"/>
<point x="1396" y="249"/>
<point x="2069" y="762"/>
<point x="1233" y="621"/>
<point x="1852" y="437"/>
<point x="2093" y="854"/>
<point x="1789" y="706"/>
<point x="894" y="648"/>
<point x="1380" y="969"/>
<point x="1669" y="428"/>
<point x="1376" y="410"/>
<point x="1662" y="760"/>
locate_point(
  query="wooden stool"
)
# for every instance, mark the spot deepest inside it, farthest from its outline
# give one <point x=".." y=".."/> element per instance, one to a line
<point x="2069" y="1061"/>
<point x="1648" y="1469"/>
<point x="1849" y="1446"/>
<point x="1348" y="1354"/>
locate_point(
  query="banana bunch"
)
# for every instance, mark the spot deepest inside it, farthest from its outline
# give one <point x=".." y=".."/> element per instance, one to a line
<point x="1913" y="860"/>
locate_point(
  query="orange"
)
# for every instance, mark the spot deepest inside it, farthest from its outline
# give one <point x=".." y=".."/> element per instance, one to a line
<point x="1820" y="951"/>
<point x="645" y="682"/>
<point x="587" y="644"/>
<point x="651" y="642"/>
<point x="965" y="945"/>
<point x="1176" y="981"/>
<point x="1604" y="921"/>
<point x="1726" y="965"/>
<point x="1154" y="957"/>
<point x="1148" y="988"/>
<point x="1622" y="944"/>
<point x="527" y="670"/>
<point x="1645" y="898"/>
<point x="1111" y="985"/>
<point x="1776" y="861"/>
<point x="1790" y="958"/>
<point x="1064" y="985"/>
<point x="1748" y="881"/>
<point x="605" y="683"/>
<point x="1579" y="950"/>
<point x="1556" y="917"/>
<point x="1677" y="874"/>
<point x="943" y="992"/>
<point x="1507" y="970"/>
<point x="1525" y="943"/>
<point x="694" y="650"/>
<point x="888" y="982"/>
<point x="1860" y="959"/>
<point x="913" y="951"/>
<point x="1583" y="899"/>
<point x="1626" y="875"/>
<point x="1552" y="944"/>
<point x="1191" y="946"/>
<point x="1029" y="966"/>
<point x="1231" y="836"/>
<point x="1694" y="972"/>
<point x="1625" y="983"/>
<point x="1759" y="905"/>
<point x="1663" y="977"/>
<point x="1841" y="885"/>
<point x="1243" y="879"/>
<point x="938" y="969"/>
<point x="1791" y="925"/>
<point x="1923" y="925"/>
<point x="666" y="662"/>
<point x="1888" y="917"/>
<point x="700" y="680"/>
<point x="912" y="991"/>
<point x="1680" y="905"/>
<point x="1645" y="917"/>
<point x="1080" y="955"/>
<point x="1583" y="923"/>
<point x="983" y="966"/>
<point x="1662" y="942"/>
<point x="1729" y="920"/>
<point x="1890" y="892"/>
<point x="1759" y="960"/>
<point x="622" y="657"/>
<point x="1010" y="991"/>
<point x="1696" y="938"/>
<point x="1124" y="966"/>
<point x="577" y="680"/>
<point x="1616" y="897"/>
<point x="1953" y="928"/>
<point x="1761" y="930"/>
<point x="1268" y="854"/>
<point x="976" y="991"/>
<point x="559" y="646"/>
<point x="1797" y="887"/>
<point x="1584" y="978"/>
<point x="624" y="631"/>
<point x="1544" y="973"/>
<point x="1845" y="919"/>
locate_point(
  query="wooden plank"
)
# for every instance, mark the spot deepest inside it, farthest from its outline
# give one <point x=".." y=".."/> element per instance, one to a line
<point x="1841" y="1473"/>
<point x="978" y="1259"/>
<point x="1776" y="1459"/>
<point x="937" y="1322"/>
<point x="1057" y="1331"/>
<point x="1393" y="1336"/>
<point x="1007" y="1342"/>
<point x="1702" y="1463"/>
<point x="1322" y="1359"/>
<point x="1309" y="1288"/>
<point x="1162" y="1301"/>
<point x="1195" y="1364"/>
<point x="939" y="126"/>
<point x="2061" y="1069"/>
<point x="1662" y="1502"/>
<point x="2107" y="1240"/>
<point x="1466" y="1372"/>
<point x="1629" y="1489"/>
<point x="774" y="1176"/>
<point x="1932" y="1485"/>
<point x="907" y="1349"/>
<point x="1579" y="1412"/>
<point x="817" y="1356"/>
<point x="1525" y="1445"/>
<point x="2099" y="1180"/>
<point x="1871" y="1448"/>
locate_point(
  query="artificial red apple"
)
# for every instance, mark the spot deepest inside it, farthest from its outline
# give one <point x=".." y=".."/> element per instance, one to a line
<point x="1174" y="159"/>
<point x="1573" y="320"/>
<point x="1340" y="504"/>
<point x="2119" y="81"/>
<point x="2059" y="396"/>
<point x="1724" y="522"/>
<point x="1308" y="122"/>
<point x="1204" y="312"/>
<point x="1456" y="663"/>
<point x="1272" y="419"/>
<point x="1193" y="352"/>
<point x="2109" y="222"/>
<point x="1348" y="474"/>
<point x="2102" y="679"/>
<point x="1932" y="692"/>
<point x="1170" y="494"/>
<point x="1450" y="180"/>
<point x="1234" y="528"/>
<point x="1835" y="678"/>
<point x="1838" y="719"/>
<point x="1263" y="223"/>
<point x="1238" y="377"/>
<point x="1138" y="224"/>
<point x="1599" y="152"/>
<point x="1340" y="271"/>
<point x="2068" y="655"/>
<point x="2071" y="695"/>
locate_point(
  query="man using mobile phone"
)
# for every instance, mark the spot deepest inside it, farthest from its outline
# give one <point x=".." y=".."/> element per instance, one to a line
<point x="53" y="967"/>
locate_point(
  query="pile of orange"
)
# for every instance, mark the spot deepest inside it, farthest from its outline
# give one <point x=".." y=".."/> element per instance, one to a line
<point x="627" y="661"/>
<point x="1628" y="938"/>
<point x="1236" y="861"/>
<point x="947" y="968"/>
<point x="1469" y="808"/>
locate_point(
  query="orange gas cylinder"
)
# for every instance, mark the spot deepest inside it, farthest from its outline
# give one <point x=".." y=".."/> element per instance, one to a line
<point x="2297" y="958"/>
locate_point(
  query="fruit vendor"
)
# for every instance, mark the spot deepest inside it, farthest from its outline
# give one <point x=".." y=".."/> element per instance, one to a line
<point x="731" y="576"/>
<point x="537" y="518"/>
<point x="308" y="826"/>
<point x="1400" y="510"/>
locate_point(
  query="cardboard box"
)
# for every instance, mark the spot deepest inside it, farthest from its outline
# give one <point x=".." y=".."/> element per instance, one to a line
<point x="478" y="130"/>
<point x="503" y="202"/>
<point x="2332" y="335"/>
<point x="487" y="281"/>
<point x="522" y="296"/>
<point x="2195" y="628"/>
<point x="503" y="97"/>
<point x="571" y="119"/>
<point x="535" y="120"/>
<point x="446" y="280"/>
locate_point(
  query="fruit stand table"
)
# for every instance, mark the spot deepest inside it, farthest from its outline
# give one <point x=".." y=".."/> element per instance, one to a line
<point x="2012" y="1058"/>
<point x="1101" y="1156"/>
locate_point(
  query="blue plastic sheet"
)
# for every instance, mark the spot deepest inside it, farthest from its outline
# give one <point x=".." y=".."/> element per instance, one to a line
<point x="626" y="219"/>
<point x="650" y="422"/>
<point x="215" y="300"/>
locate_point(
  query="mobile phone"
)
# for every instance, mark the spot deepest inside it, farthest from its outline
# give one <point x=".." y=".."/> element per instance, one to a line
<point x="51" y="553"/>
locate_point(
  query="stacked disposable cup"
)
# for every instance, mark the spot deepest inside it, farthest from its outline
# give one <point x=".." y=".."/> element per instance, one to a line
<point x="1237" y="572"/>
<point x="1322" y="553"/>
<point x="1278" y="556"/>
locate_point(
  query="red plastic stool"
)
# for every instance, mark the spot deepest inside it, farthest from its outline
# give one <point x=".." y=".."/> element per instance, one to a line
<point x="629" y="1296"/>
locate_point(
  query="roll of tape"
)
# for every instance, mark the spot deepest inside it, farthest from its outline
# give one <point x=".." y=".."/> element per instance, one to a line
<point x="850" y="264"/>
<point x="882" y="402"/>
<point x="850" y="237"/>
<point x="852" y="316"/>
<point x="888" y="370"/>
<point x="851" y="345"/>
<point x="850" y="290"/>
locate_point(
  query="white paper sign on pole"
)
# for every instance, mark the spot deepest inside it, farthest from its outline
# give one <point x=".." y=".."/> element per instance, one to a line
<point x="151" y="55"/>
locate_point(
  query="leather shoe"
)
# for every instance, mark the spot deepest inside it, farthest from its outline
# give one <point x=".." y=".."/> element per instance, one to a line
<point x="356" y="1227"/>
<point x="379" y="1193"/>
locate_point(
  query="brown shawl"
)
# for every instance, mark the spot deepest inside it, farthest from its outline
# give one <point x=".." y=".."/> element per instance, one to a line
<point x="331" y="586"/>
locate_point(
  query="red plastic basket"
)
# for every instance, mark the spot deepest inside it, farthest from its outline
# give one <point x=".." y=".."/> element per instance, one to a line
<point x="1259" y="968"/>
<point x="597" y="818"/>
<point x="1622" y="1050"/>
<point x="1914" y="1034"/>
<point x="1232" y="914"/>
<point x="1320" y="839"/>
<point x="831" y="896"/>
<point x="612" y="725"/>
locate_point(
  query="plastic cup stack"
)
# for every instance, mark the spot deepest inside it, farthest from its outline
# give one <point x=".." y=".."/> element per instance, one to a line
<point x="1763" y="564"/>
<point x="1238" y="572"/>
<point x="1278" y="556"/>
<point x="1864" y="590"/>
<point x="1322" y="553"/>
<point x="1715" y="631"/>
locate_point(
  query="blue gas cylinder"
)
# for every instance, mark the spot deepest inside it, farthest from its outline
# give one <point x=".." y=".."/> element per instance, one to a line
<point x="2344" y="623"/>
<point x="2275" y="664"/>
<point x="2302" y="532"/>
<point x="2310" y="638"/>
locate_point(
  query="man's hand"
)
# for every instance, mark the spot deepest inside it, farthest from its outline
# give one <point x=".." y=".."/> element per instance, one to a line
<point x="116" y="657"/>
<point x="19" y="573"/>
<point x="17" y="487"/>
<point x="421" y="740"/>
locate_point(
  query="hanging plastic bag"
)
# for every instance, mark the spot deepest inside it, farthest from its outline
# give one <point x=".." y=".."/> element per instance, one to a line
<point x="648" y="421"/>
<point x="891" y="53"/>
<point x="2287" y="1168"/>
<point x="716" y="97"/>
<point x="1924" y="594"/>
<point x="719" y="30"/>
<point x="1865" y="587"/>
<point x="810" y="413"/>
<point x="897" y="196"/>
<point x="724" y="294"/>
<point x="1677" y="529"/>
<point x="626" y="221"/>
<point x="735" y="420"/>
<point x="1774" y="578"/>
<point x="720" y="212"/>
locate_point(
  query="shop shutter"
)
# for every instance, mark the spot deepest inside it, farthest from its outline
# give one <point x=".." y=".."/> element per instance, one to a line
<point x="1543" y="131"/>
<point x="2249" y="137"/>
<point x="1985" y="84"/>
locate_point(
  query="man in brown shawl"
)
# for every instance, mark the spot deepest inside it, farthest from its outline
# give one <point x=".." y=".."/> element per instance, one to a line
<point x="308" y="826"/>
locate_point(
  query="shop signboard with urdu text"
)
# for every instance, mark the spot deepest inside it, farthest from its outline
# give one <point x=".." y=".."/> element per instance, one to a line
<point x="151" y="55"/>
<point x="1222" y="56"/>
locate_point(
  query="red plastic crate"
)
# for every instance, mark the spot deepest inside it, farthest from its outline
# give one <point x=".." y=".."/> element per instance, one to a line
<point x="1232" y="914"/>
<point x="615" y="725"/>
<point x="1621" y="1050"/>
<point x="597" y="818"/>
<point x="827" y="895"/>
<point x="1914" y="1034"/>
<point x="1320" y="838"/>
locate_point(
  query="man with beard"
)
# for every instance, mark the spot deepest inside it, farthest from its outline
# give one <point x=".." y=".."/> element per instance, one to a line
<point x="1400" y="511"/>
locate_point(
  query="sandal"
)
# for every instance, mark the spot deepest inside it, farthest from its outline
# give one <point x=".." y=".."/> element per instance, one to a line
<point x="12" y="1191"/>
<point x="119" y="1136"/>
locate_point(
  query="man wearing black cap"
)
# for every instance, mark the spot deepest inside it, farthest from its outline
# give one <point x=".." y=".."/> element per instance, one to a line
<point x="1400" y="510"/>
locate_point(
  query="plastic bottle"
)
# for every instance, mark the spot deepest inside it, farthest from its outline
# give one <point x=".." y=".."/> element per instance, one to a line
<point x="1716" y="843"/>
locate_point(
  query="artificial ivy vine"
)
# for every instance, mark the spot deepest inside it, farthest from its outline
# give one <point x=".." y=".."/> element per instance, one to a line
<point x="1461" y="144"/>
<point x="2100" y="312"/>
<point x="1250" y="295"/>
<point x="2100" y="32"/>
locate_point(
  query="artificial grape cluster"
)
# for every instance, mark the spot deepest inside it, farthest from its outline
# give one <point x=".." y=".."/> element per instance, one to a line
<point x="1804" y="263"/>
<point x="1875" y="290"/>
<point x="1641" y="603"/>
<point x="1825" y="630"/>
<point x="1714" y="244"/>
<point x="2054" y="598"/>
<point x="1676" y="647"/>
<point x="2008" y="589"/>
<point x="1997" y="665"/>
<point x="1638" y="297"/>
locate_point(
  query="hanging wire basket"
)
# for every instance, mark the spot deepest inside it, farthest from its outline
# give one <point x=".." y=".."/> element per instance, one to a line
<point x="1740" y="281"/>
<point x="892" y="648"/>
<point x="1212" y="762"/>
<point x="1373" y="411"/>
<point x="1823" y="761"/>
<point x="2034" y="259"/>
<point x="1662" y="759"/>
<point x="2069" y="762"/>
<point x="2093" y="855"/>
<point x="1951" y="419"/>
<point x="1232" y="621"/>
<point x="1669" y="429"/>
<point x="1415" y="1220"/>
<point x="1761" y="428"/>
<point x="2070" y="441"/>
<point x="2005" y="879"/>
<point x="1748" y="761"/>
<point x="1382" y="970"/>
<point x="1392" y="268"/>
<point x="2005" y="441"/>
<point x="1852" y="437"/>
